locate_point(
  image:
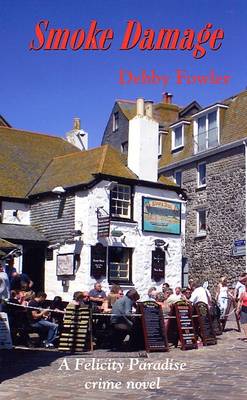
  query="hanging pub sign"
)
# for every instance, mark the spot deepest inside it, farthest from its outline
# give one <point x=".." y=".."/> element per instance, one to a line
<point x="103" y="226"/>
<point x="98" y="261"/>
<point x="158" y="264"/>
<point x="161" y="216"/>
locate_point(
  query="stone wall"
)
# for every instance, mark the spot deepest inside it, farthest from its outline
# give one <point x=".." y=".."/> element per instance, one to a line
<point x="210" y="257"/>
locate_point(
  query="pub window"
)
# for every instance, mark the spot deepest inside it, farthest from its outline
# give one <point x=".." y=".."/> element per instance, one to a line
<point x="121" y="201"/>
<point x="115" y="122"/>
<point x="201" y="175"/>
<point x="201" y="222"/>
<point x="119" y="265"/>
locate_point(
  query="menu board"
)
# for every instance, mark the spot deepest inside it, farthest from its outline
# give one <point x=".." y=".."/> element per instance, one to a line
<point x="5" y="337"/>
<point x="206" y="330"/>
<point x="158" y="264"/>
<point x="98" y="261"/>
<point x="153" y="326"/>
<point x="185" y="325"/>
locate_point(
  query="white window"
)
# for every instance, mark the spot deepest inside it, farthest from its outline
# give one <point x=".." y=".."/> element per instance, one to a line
<point x="119" y="259"/>
<point x="201" y="175"/>
<point x="115" y="121"/>
<point x="206" y="130"/>
<point x="124" y="147"/>
<point x="178" y="137"/>
<point x="160" y="145"/>
<point x="201" y="222"/>
<point x="121" y="201"/>
<point x="178" y="177"/>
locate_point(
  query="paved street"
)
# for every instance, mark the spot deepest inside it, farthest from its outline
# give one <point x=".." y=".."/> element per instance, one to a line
<point x="211" y="373"/>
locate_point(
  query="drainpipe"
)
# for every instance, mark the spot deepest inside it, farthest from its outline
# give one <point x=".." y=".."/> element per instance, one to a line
<point x="245" y="152"/>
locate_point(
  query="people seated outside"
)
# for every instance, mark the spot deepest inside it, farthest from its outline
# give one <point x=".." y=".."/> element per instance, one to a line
<point x="151" y="294"/>
<point x="165" y="286"/>
<point x="97" y="295"/>
<point x="172" y="297"/>
<point x="186" y="293"/>
<point x="121" y="322"/>
<point x="38" y="319"/>
<point x="20" y="281"/>
<point x="58" y="312"/>
<point x="115" y="293"/>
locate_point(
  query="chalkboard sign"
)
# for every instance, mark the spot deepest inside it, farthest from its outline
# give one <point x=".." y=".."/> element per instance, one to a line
<point x="76" y="335"/>
<point x="5" y="337"/>
<point x="158" y="264"/>
<point x="206" y="330"/>
<point x="98" y="261"/>
<point x="153" y="326"/>
<point x="185" y="325"/>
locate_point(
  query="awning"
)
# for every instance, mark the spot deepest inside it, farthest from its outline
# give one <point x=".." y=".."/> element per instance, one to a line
<point x="21" y="232"/>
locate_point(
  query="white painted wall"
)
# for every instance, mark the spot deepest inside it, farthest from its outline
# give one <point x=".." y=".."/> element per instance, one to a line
<point x="23" y="213"/>
<point x="86" y="204"/>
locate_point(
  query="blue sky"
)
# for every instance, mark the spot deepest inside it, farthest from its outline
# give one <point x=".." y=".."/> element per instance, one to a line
<point x="42" y="91"/>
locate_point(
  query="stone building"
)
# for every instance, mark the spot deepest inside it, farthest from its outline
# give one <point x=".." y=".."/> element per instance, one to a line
<point x="90" y="215"/>
<point x="204" y="151"/>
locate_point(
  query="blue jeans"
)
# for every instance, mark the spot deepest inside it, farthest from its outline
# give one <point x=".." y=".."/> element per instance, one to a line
<point x="46" y="326"/>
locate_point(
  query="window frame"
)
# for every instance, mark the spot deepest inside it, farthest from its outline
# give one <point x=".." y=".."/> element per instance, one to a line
<point x="203" y="185"/>
<point x="115" y="121"/>
<point x="118" y="217"/>
<point x="195" y="128"/>
<point x="181" y="146"/>
<point x="123" y="144"/>
<point x="174" y="176"/>
<point x="127" y="281"/>
<point x="201" y="233"/>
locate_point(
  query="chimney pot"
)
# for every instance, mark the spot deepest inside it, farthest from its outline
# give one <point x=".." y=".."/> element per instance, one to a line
<point x="140" y="107"/>
<point x="167" y="98"/>
<point x="77" y="123"/>
<point x="149" y="108"/>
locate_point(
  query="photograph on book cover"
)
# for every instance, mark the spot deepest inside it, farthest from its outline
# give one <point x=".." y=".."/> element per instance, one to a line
<point x="123" y="182"/>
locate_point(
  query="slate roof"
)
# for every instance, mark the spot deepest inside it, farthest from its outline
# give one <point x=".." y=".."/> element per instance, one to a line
<point x="233" y="127"/>
<point x="21" y="232"/>
<point x="23" y="158"/>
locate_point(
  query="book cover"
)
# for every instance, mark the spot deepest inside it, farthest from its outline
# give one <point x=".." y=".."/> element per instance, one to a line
<point x="73" y="70"/>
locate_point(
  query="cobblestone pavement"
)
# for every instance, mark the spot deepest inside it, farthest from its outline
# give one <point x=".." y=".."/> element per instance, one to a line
<point x="211" y="373"/>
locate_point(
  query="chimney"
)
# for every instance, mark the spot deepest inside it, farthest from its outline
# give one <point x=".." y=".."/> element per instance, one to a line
<point x="143" y="143"/>
<point x="167" y="98"/>
<point x="77" y="136"/>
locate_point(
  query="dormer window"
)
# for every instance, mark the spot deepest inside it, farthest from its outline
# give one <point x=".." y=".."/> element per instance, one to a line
<point x="178" y="135"/>
<point x="115" y="121"/>
<point x="207" y="128"/>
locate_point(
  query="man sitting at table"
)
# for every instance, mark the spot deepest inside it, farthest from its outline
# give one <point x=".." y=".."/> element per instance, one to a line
<point x="38" y="319"/>
<point x="120" y="320"/>
<point x="97" y="295"/>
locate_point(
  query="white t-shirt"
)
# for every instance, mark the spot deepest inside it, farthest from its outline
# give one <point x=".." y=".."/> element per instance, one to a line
<point x="200" y="294"/>
<point x="239" y="288"/>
